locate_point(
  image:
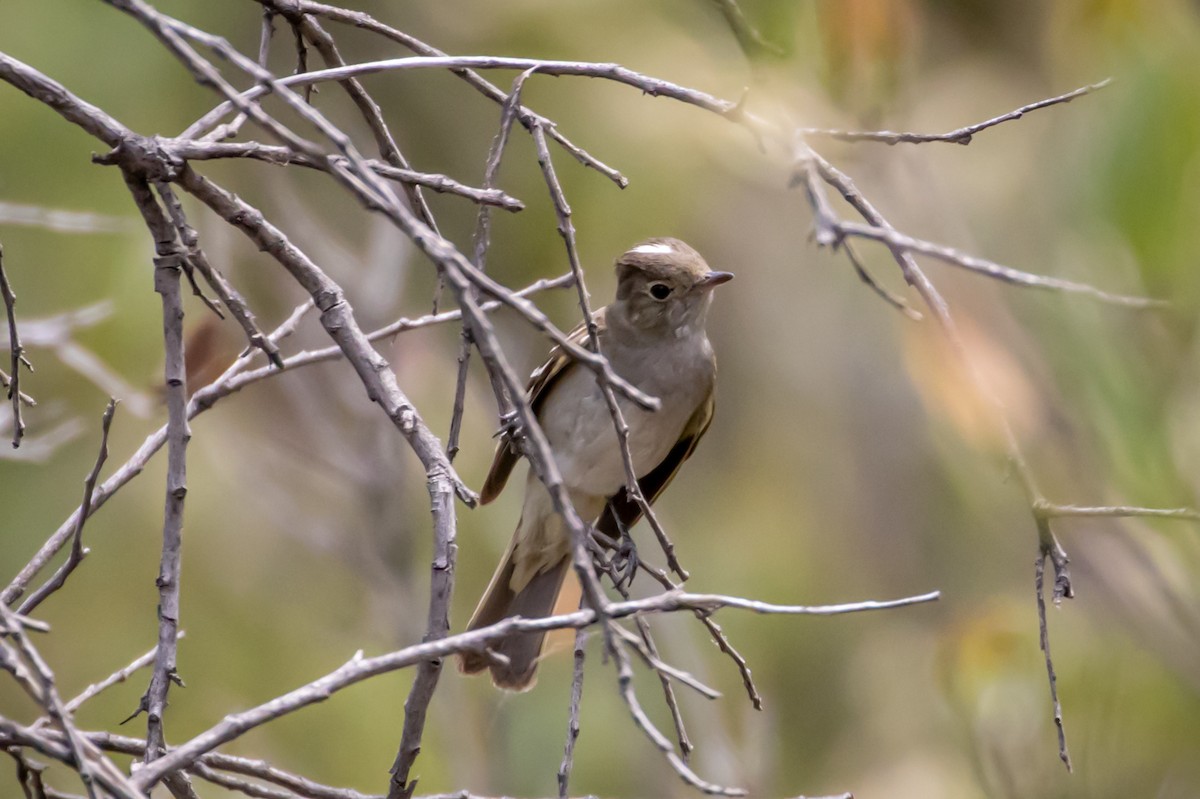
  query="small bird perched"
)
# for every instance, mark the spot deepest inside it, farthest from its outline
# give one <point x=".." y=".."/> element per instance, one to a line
<point x="653" y="335"/>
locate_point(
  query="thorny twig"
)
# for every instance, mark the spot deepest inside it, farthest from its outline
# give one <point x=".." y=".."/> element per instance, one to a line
<point x="643" y="644"/>
<point x="196" y="150"/>
<point x="1039" y="568"/>
<point x="78" y="552"/>
<point x="16" y="354"/>
<point x="196" y="259"/>
<point x="481" y="240"/>
<point x="118" y="676"/>
<point x="167" y="268"/>
<point x="962" y="135"/>
<point x="568" y="759"/>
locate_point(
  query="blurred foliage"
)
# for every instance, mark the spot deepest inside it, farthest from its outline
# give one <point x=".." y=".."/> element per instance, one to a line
<point x="846" y="460"/>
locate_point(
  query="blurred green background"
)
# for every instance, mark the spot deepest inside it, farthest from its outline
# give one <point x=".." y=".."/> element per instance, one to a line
<point x="848" y="459"/>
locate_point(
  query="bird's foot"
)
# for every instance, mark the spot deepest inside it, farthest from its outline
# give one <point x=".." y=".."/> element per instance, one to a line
<point x="625" y="561"/>
<point x="510" y="427"/>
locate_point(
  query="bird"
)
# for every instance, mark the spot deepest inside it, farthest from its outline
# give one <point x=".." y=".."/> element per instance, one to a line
<point x="653" y="335"/>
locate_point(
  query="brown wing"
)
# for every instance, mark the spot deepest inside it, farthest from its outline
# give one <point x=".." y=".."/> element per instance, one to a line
<point x="540" y="382"/>
<point x="622" y="510"/>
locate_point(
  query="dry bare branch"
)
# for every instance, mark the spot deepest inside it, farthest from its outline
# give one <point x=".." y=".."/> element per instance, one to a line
<point x="107" y="776"/>
<point x="78" y="552"/>
<point x="573" y="728"/>
<point x="962" y="135"/>
<point x="898" y="242"/>
<point x="118" y="676"/>
<point x="526" y="117"/>
<point x="1039" y="567"/>
<point x="168" y="265"/>
<point x="197" y="260"/>
<point x="16" y="354"/>
<point x="197" y="150"/>
<point x="360" y="668"/>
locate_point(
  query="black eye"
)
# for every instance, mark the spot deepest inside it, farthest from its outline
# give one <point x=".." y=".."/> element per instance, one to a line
<point x="660" y="291"/>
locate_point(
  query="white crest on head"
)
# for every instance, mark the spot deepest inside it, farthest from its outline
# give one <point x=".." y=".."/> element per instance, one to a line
<point x="654" y="249"/>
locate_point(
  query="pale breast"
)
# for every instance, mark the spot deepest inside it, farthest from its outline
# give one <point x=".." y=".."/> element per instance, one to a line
<point x="580" y="429"/>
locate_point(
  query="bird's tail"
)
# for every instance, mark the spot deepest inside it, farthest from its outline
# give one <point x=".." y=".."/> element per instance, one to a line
<point x="535" y="600"/>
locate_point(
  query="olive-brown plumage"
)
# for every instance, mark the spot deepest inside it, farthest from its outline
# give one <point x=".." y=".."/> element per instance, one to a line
<point x="653" y="335"/>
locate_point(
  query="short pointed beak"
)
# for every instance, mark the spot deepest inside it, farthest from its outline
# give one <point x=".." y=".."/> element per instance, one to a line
<point x="714" y="279"/>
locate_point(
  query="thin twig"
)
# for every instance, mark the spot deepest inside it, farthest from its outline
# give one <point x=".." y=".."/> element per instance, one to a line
<point x="898" y="242"/>
<point x="962" y="135"/>
<point x="719" y="638"/>
<point x="643" y="644"/>
<point x="26" y="400"/>
<point x="265" y="36"/>
<point x="573" y="729"/>
<point x="238" y="784"/>
<point x="119" y="676"/>
<point x="301" y="56"/>
<point x="1039" y="568"/>
<point x="167" y="269"/>
<point x="441" y="590"/>
<point x="603" y="71"/>
<point x="78" y="552"/>
<point x="481" y="241"/>
<point x="11" y="662"/>
<point x="230" y="297"/>
<point x="625" y="687"/>
<point x="651" y="658"/>
<point x="197" y="150"/>
<point x="308" y="27"/>
<point x="1051" y="510"/>
<point x="891" y="298"/>
<point x="16" y="354"/>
